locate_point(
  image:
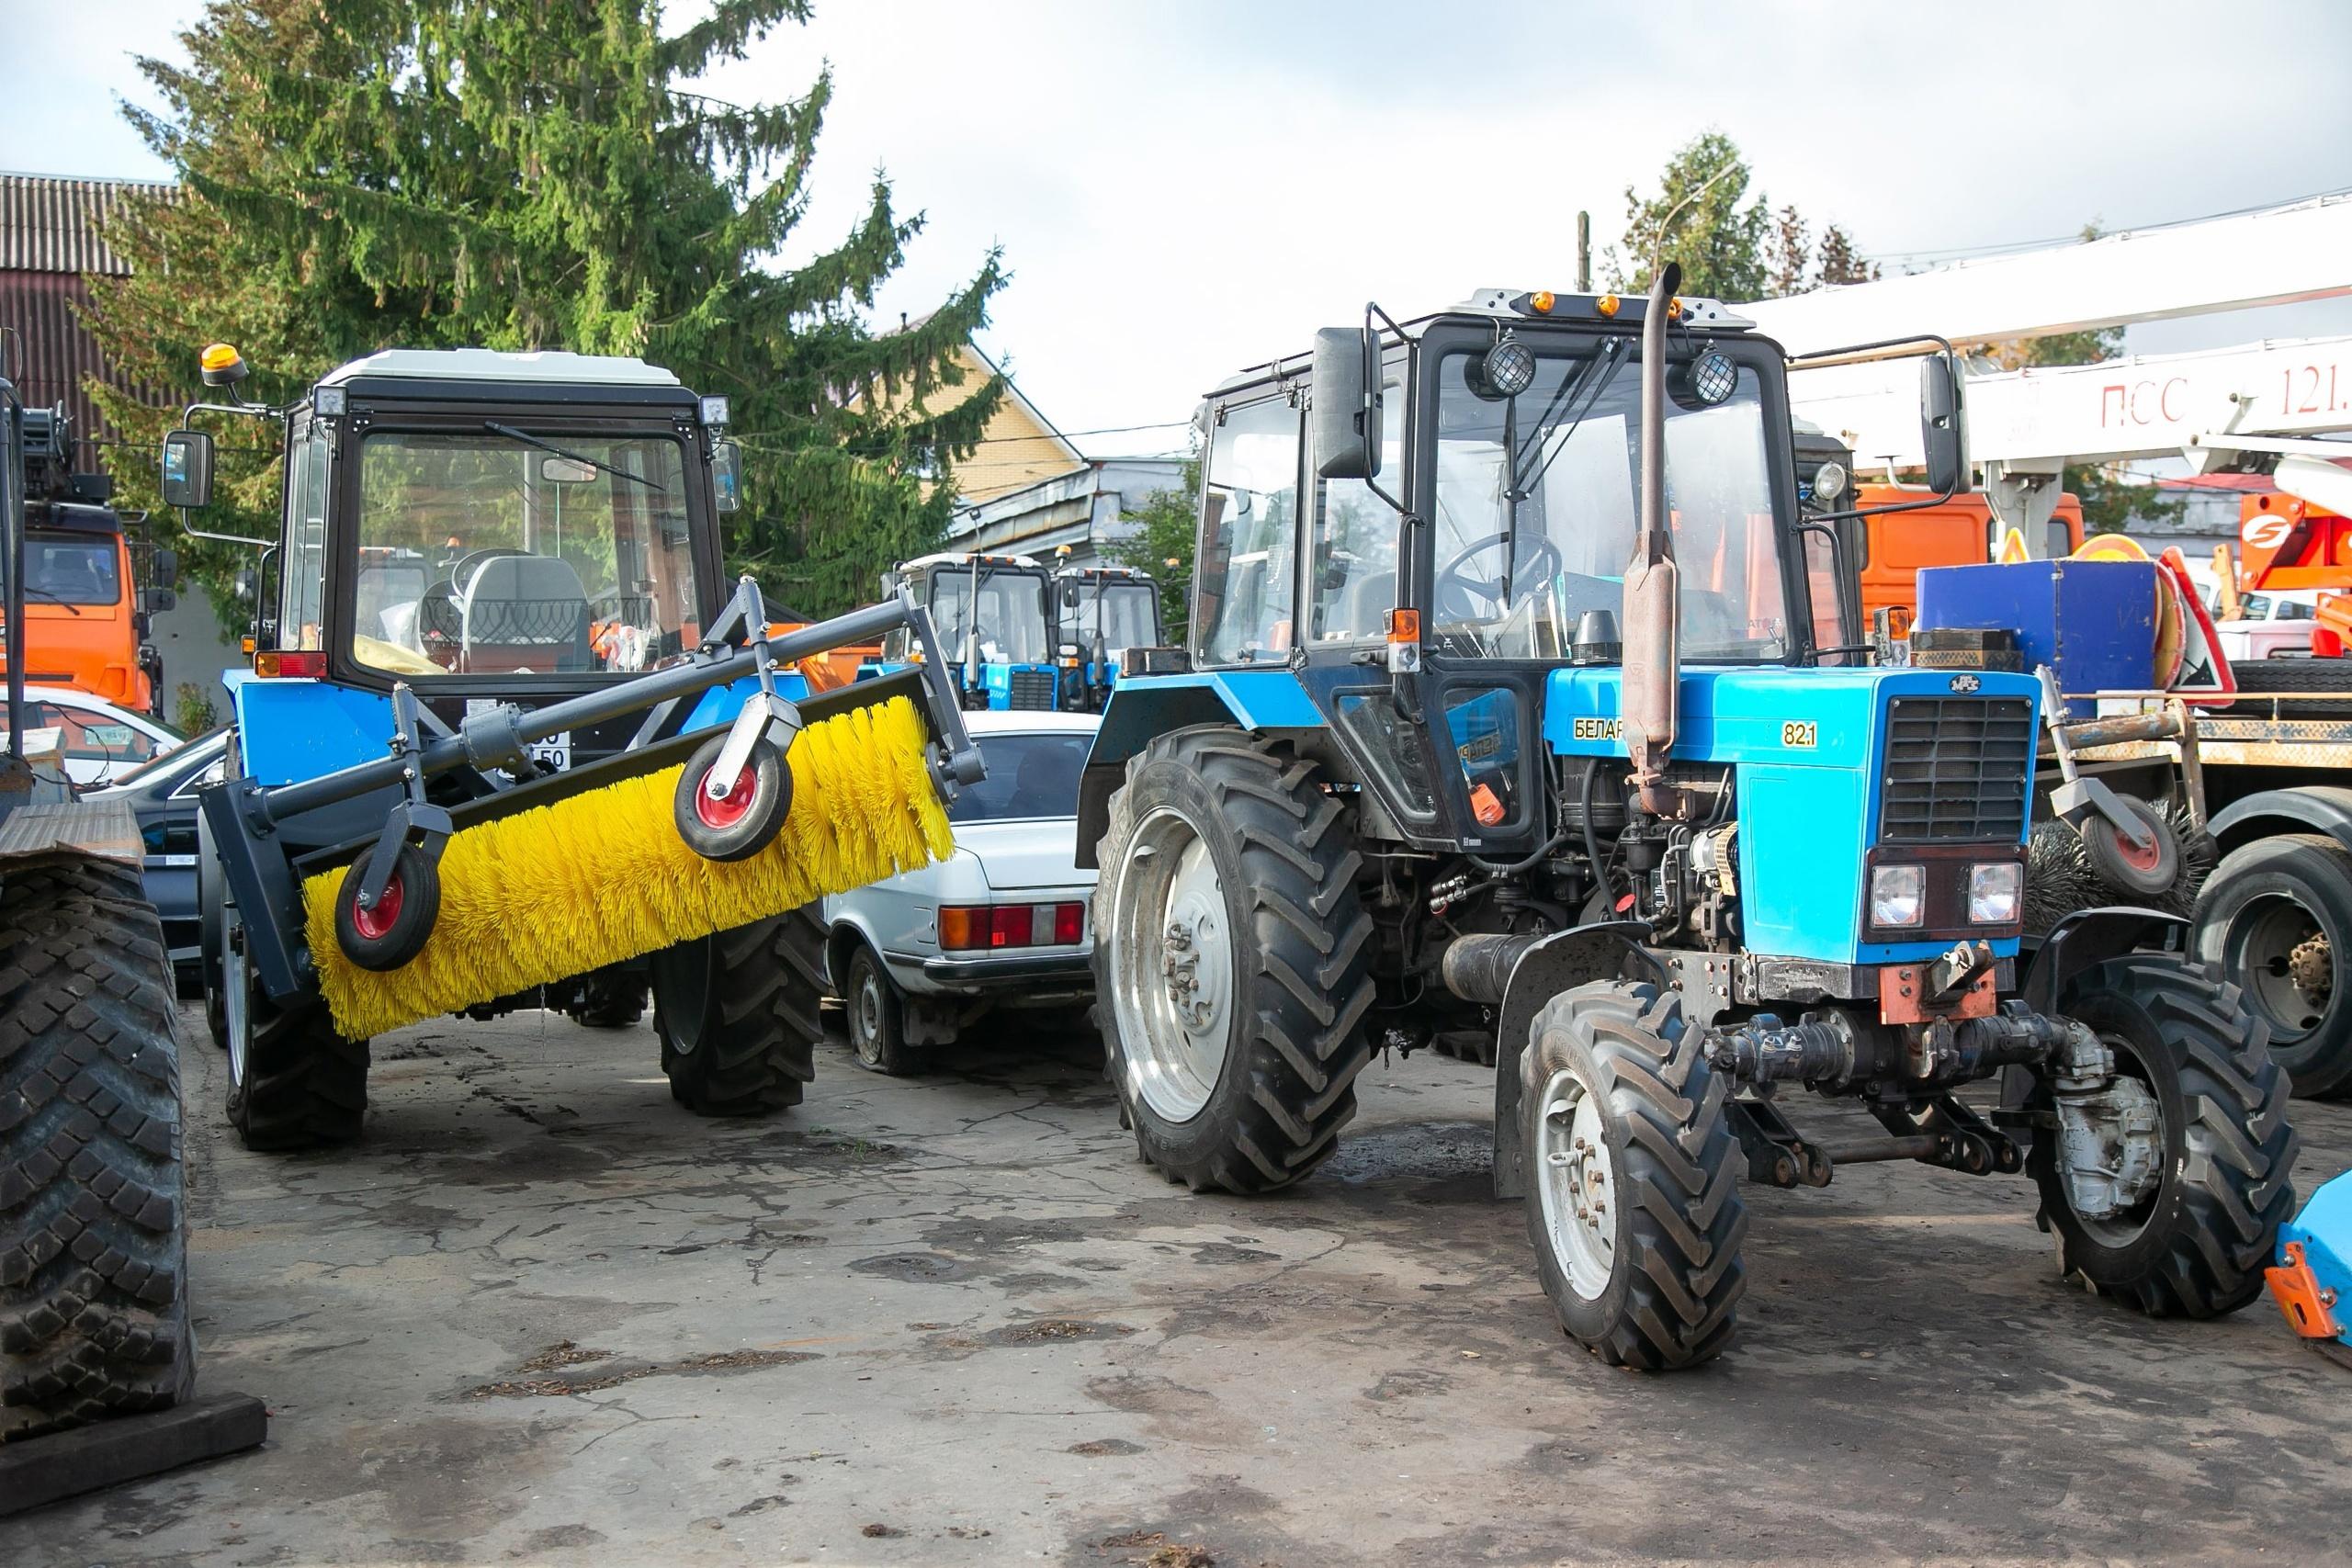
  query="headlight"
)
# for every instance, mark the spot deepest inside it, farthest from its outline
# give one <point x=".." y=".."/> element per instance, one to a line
<point x="1898" y="895"/>
<point x="1993" y="893"/>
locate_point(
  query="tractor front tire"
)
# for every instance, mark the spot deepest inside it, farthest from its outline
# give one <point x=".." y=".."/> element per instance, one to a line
<point x="1632" y="1179"/>
<point x="2197" y="1245"/>
<point x="295" y="1082"/>
<point x="1232" y="959"/>
<point x="93" y="1313"/>
<point x="737" y="1015"/>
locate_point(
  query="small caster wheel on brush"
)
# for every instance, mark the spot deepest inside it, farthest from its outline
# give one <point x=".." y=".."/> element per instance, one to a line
<point x="747" y="818"/>
<point x="393" y="931"/>
<point x="2148" y="871"/>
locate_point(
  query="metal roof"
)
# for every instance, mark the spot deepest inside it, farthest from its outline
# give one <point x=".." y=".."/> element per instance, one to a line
<point x="55" y="225"/>
<point x="490" y="365"/>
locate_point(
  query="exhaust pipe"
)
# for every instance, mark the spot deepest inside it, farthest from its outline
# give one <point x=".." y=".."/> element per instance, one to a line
<point x="1652" y="669"/>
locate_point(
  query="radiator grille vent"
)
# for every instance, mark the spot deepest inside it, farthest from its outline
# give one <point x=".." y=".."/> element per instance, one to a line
<point x="1956" y="770"/>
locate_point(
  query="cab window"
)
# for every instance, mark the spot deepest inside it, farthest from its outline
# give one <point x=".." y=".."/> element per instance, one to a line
<point x="1353" y="569"/>
<point x="1245" y="583"/>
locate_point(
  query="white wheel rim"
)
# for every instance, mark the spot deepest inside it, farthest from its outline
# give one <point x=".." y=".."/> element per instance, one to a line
<point x="1173" y="977"/>
<point x="235" y="997"/>
<point x="1576" y="1183"/>
<point x="865" y="1017"/>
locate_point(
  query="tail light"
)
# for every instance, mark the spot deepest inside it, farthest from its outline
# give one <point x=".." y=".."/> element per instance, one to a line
<point x="304" y="663"/>
<point x="970" y="928"/>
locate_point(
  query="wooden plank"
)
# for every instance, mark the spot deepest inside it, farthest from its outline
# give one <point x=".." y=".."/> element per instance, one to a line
<point x="103" y="829"/>
<point x="40" y="1470"/>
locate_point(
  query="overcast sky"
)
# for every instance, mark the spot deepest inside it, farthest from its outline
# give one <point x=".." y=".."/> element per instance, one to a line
<point x="1181" y="190"/>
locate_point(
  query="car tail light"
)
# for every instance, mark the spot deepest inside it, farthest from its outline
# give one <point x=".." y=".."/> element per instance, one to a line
<point x="970" y="927"/>
<point x="305" y="663"/>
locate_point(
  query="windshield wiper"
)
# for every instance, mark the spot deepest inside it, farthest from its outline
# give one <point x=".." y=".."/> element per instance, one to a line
<point x="525" y="436"/>
<point x="51" y="596"/>
<point x="1599" y="374"/>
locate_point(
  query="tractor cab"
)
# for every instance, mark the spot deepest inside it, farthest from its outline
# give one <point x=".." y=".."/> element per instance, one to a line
<point x="991" y="614"/>
<point x="1100" y="611"/>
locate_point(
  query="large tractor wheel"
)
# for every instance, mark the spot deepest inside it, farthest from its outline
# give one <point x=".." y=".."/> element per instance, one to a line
<point x="1632" y="1190"/>
<point x="94" y="1315"/>
<point x="2275" y="920"/>
<point x="2206" y="1209"/>
<point x="294" y="1081"/>
<point x="737" y="1015"/>
<point x="1233" y="960"/>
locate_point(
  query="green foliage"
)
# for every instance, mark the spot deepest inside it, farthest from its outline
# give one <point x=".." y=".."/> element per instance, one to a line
<point x="1167" y="532"/>
<point x="1728" y="251"/>
<point x="192" y="710"/>
<point x="439" y="173"/>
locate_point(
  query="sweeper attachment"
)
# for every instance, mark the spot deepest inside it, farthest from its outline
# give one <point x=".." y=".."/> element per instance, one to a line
<point x="507" y="743"/>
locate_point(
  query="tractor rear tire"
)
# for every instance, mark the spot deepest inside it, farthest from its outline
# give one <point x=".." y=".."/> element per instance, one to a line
<point x="294" y="1081"/>
<point x="93" y="1313"/>
<point x="1622" y="1107"/>
<point x="2195" y="1247"/>
<point x="2276" y="919"/>
<point x="1232" y="959"/>
<point x="736" y="1014"/>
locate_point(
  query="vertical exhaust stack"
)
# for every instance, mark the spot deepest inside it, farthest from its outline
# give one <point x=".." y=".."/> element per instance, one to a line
<point x="1652" y="675"/>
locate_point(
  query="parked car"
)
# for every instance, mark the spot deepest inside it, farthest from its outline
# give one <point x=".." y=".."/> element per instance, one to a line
<point x="1001" y="924"/>
<point x="160" y="793"/>
<point x="102" y="742"/>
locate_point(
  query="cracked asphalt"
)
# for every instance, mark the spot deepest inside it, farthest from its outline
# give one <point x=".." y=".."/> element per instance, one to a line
<point x="540" y="1314"/>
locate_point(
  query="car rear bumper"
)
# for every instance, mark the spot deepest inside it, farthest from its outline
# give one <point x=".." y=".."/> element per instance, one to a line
<point x="993" y="971"/>
<point x="1045" y="979"/>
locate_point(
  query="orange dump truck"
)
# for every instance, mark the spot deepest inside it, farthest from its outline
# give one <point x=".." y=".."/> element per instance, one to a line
<point x="85" y="616"/>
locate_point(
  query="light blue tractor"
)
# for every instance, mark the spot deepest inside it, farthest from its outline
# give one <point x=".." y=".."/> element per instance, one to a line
<point x="991" y="615"/>
<point x="1100" y="611"/>
<point x="1520" y="699"/>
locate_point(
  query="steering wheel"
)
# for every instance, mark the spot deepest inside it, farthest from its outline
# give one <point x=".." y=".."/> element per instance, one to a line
<point x="1456" y="597"/>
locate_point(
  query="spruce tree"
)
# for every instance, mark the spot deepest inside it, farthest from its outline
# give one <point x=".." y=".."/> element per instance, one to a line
<point x="435" y="174"/>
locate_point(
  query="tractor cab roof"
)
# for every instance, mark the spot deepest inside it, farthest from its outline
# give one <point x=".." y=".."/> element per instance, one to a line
<point x="475" y="375"/>
<point x="1531" y="307"/>
<point x="964" y="557"/>
<point x="1101" y="569"/>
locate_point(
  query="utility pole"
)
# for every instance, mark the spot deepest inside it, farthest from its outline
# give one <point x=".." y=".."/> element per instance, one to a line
<point x="1584" y="253"/>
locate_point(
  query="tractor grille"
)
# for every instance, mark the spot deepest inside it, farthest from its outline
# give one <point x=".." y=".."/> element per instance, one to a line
<point x="1956" y="770"/>
<point x="1031" y="689"/>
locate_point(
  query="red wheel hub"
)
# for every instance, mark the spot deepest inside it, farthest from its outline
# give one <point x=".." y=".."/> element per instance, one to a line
<point x="728" y="810"/>
<point x="377" y="923"/>
<point x="2138" y="859"/>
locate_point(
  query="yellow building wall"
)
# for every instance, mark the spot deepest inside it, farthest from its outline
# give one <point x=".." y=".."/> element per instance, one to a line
<point x="1018" y="448"/>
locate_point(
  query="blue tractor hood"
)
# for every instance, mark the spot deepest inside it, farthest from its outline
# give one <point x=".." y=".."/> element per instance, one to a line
<point x="1813" y="753"/>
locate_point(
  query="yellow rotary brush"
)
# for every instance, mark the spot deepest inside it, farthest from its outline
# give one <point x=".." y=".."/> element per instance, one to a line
<point x="603" y="875"/>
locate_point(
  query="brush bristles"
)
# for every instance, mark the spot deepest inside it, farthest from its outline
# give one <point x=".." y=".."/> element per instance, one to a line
<point x="557" y="891"/>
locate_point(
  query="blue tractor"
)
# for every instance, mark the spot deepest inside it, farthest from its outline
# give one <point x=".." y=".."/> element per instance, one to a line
<point x="990" y="614"/>
<point x="1100" y="611"/>
<point x="1520" y="699"/>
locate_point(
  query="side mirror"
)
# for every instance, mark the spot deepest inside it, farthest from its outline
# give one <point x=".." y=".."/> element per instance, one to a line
<point x="1069" y="595"/>
<point x="726" y="476"/>
<point x="165" y="569"/>
<point x="1347" y="427"/>
<point x="1942" y="425"/>
<point x="187" y="468"/>
<point x="247" y="585"/>
<point x="161" y="601"/>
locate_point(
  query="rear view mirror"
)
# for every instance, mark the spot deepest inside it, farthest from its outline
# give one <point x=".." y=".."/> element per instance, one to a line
<point x="566" y="471"/>
<point x="726" y="476"/>
<point x="187" y="468"/>
<point x="1347" y="425"/>
<point x="167" y="569"/>
<point x="1942" y="425"/>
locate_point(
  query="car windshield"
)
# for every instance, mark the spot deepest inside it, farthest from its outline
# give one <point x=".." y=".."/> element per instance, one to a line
<point x="1010" y="621"/>
<point x="1030" y="777"/>
<point x="70" y="569"/>
<point x="1537" y="505"/>
<point x="483" y="554"/>
<point x="1121" y="611"/>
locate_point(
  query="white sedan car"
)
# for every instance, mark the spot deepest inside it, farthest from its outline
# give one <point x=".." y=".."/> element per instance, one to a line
<point x="1003" y="923"/>
<point x="101" y="742"/>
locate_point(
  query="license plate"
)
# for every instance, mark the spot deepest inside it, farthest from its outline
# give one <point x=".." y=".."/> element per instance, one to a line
<point x="554" y="751"/>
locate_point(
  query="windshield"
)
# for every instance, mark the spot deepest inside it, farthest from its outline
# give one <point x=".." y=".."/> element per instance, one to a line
<point x="1123" y="612"/>
<point x="1011" y="619"/>
<point x="486" y="554"/>
<point x="71" y="569"/>
<point x="1536" y="506"/>
<point x="1029" y="776"/>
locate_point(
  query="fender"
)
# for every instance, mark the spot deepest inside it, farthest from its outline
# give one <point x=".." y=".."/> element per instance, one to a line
<point x="1558" y="963"/>
<point x="1147" y="707"/>
<point x="2091" y="937"/>
<point x="2325" y="808"/>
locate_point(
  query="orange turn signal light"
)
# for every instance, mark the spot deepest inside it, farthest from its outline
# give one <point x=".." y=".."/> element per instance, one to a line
<point x="1540" y="301"/>
<point x="1674" y="308"/>
<point x="1608" y="304"/>
<point x="1404" y="625"/>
